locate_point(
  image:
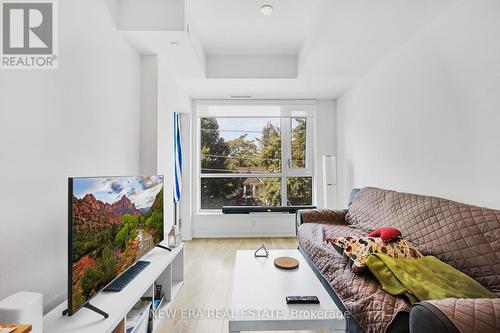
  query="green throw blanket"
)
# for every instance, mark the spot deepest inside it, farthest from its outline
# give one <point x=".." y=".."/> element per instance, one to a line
<point x="424" y="279"/>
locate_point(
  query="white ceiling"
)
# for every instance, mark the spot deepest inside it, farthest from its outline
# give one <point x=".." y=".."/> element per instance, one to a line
<point x="330" y="44"/>
<point x="237" y="27"/>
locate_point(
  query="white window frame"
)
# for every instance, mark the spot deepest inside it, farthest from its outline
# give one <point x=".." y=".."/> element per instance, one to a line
<point x="288" y="110"/>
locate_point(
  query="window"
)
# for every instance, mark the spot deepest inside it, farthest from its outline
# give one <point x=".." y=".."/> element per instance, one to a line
<point x="254" y="159"/>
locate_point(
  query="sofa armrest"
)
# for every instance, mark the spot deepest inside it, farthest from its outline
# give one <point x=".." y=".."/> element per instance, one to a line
<point x="425" y="318"/>
<point x="457" y="315"/>
<point x="320" y="216"/>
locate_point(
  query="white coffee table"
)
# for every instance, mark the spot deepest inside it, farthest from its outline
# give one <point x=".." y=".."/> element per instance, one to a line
<point x="259" y="290"/>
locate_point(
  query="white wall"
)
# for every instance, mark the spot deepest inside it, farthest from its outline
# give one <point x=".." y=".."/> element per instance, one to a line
<point x="427" y="119"/>
<point x="171" y="98"/>
<point x="326" y="142"/>
<point x="269" y="225"/>
<point x="149" y="114"/>
<point x="251" y="67"/>
<point x="82" y="119"/>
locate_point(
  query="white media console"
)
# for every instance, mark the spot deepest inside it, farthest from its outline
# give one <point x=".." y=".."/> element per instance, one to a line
<point x="166" y="268"/>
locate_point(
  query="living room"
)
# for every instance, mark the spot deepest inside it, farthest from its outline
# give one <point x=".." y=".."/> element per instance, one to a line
<point x="237" y="162"/>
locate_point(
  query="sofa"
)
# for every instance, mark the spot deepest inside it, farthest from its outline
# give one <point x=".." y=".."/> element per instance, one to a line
<point x="464" y="236"/>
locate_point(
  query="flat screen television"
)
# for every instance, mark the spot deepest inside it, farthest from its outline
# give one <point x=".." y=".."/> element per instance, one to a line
<point x="113" y="221"/>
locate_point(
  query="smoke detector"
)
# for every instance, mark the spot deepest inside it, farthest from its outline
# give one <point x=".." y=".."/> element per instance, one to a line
<point x="266" y="10"/>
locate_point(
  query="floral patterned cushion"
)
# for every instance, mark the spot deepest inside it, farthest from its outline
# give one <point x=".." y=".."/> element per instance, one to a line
<point x="357" y="249"/>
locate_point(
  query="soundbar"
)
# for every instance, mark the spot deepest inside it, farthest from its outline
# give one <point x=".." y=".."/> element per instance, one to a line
<point x="262" y="209"/>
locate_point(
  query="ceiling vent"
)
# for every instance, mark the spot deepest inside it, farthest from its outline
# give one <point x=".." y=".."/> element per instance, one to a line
<point x="240" y="96"/>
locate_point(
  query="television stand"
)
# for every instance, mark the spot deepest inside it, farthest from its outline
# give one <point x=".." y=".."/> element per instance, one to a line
<point x="164" y="247"/>
<point x="90" y="307"/>
<point x="93" y="308"/>
<point x="166" y="269"/>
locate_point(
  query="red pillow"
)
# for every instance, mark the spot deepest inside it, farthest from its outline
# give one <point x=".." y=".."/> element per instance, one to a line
<point x="387" y="234"/>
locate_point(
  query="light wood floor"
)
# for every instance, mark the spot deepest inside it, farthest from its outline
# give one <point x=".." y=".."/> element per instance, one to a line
<point x="207" y="280"/>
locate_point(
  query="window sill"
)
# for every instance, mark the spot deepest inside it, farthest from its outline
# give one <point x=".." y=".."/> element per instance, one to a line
<point x="209" y="212"/>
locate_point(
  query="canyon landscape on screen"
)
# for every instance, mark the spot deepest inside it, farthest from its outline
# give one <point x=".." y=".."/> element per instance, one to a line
<point x="115" y="221"/>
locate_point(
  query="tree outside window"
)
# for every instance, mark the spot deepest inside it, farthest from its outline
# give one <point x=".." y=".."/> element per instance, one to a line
<point x="241" y="162"/>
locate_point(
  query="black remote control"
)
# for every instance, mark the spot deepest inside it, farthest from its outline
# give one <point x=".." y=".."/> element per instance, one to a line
<point x="302" y="300"/>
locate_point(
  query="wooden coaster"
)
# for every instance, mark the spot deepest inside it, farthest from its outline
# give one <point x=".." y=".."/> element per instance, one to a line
<point x="286" y="263"/>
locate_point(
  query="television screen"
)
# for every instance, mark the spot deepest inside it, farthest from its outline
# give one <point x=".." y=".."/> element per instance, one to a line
<point x="113" y="221"/>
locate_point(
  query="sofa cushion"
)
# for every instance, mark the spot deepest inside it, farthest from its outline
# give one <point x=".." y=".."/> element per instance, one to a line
<point x="464" y="236"/>
<point x="363" y="297"/>
<point x="358" y="249"/>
